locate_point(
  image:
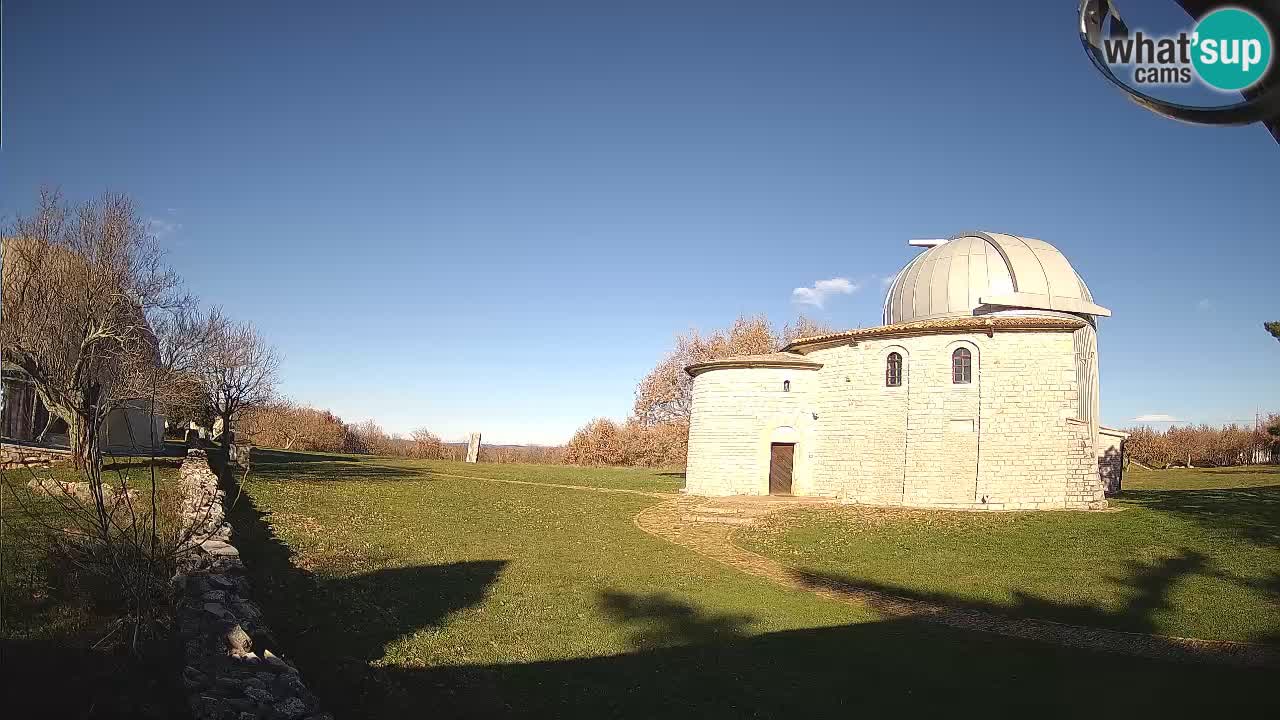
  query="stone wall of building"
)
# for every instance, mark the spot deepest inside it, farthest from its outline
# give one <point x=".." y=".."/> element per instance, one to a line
<point x="1003" y="441"/>
<point x="735" y="415"/>
<point x="232" y="671"/>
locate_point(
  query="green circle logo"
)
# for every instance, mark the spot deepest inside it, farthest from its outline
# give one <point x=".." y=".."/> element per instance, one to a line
<point x="1231" y="49"/>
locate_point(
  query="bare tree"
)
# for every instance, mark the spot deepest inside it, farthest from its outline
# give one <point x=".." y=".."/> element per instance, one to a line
<point x="426" y="444"/>
<point x="85" y="290"/>
<point x="236" y="371"/>
<point x="95" y="320"/>
<point x="803" y="327"/>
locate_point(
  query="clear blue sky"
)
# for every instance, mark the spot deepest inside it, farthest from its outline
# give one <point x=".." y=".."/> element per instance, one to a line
<point x="495" y="216"/>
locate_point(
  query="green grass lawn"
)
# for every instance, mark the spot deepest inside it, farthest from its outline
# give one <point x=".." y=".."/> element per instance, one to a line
<point x="329" y="466"/>
<point x="402" y="590"/>
<point x="1194" y="553"/>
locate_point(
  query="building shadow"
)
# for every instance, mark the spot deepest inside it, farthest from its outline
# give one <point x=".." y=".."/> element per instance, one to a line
<point x="334" y="628"/>
<point x="661" y="620"/>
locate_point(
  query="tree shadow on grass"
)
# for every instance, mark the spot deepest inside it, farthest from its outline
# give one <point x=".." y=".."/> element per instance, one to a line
<point x="1147" y="592"/>
<point x="661" y="620"/>
<point x="1249" y="513"/>
<point x="708" y="666"/>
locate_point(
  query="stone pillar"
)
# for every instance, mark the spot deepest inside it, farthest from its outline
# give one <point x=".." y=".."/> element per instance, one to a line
<point x="473" y="448"/>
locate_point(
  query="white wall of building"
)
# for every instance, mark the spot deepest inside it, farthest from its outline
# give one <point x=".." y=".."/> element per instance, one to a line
<point x="1005" y="441"/>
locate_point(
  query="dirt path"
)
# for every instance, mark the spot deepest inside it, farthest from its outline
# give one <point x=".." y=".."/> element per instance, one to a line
<point x="706" y="526"/>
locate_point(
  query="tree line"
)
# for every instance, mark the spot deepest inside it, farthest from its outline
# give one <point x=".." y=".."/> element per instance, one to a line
<point x="1205" y="445"/>
<point x="292" y="426"/>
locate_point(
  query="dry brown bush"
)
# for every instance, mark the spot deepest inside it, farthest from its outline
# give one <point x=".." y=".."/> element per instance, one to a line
<point x="1203" y="445"/>
<point x="605" y="442"/>
<point x="289" y="426"/>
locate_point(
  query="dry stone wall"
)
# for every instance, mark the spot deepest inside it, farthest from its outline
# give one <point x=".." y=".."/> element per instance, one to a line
<point x="17" y="455"/>
<point x="231" y="672"/>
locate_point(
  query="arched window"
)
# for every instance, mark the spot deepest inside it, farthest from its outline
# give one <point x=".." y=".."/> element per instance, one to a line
<point x="786" y="386"/>
<point x="893" y="370"/>
<point x="961" y="366"/>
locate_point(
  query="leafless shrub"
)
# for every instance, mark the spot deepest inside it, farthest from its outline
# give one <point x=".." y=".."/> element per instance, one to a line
<point x="527" y="454"/>
<point x="605" y="442"/>
<point x="289" y="426"/>
<point x="1204" y="446"/>
<point x="113" y="533"/>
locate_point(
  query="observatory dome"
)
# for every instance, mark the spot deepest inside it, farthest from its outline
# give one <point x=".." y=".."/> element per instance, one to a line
<point x="979" y="273"/>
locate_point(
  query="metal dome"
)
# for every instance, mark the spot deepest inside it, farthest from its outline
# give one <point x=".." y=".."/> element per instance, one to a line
<point x="979" y="273"/>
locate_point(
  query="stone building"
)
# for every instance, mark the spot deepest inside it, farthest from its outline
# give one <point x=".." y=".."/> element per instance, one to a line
<point x="129" y="428"/>
<point x="979" y="391"/>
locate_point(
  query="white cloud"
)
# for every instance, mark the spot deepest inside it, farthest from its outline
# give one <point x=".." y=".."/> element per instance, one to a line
<point x="1156" y="418"/>
<point x="1204" y="304"/>
<point x="886" y="281"/>
<point x="817" y="295"/>
<point x="162" y="228"/>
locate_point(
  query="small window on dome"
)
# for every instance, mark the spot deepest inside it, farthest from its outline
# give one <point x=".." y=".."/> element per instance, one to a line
<point x="893" y="370"/>
<point x="961" y="366"/>
<point x="786" y="386"/>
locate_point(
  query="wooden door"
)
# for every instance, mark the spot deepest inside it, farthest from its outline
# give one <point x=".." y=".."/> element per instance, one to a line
<point x="781" y="460"/>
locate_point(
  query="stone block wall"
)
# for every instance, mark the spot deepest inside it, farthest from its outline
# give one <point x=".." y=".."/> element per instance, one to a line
<point x="1004" y="441"/>
<point x="231" y="672"/>
<point x="734" y="412"/>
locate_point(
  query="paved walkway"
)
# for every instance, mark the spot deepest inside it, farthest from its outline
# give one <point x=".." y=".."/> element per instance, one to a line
<point x="706" y="526"/>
